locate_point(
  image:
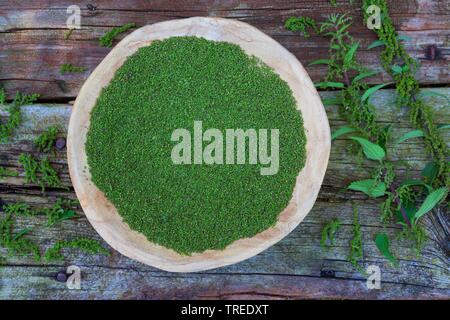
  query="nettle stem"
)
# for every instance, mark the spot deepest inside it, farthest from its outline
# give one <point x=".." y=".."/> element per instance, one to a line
<point x="398" y="203"/>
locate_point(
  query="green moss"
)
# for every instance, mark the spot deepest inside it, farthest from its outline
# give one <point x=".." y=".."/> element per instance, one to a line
<point x="20" y="209"/>
<point x="408" y="90"/>
<point x="60" y="211"/>
<point x="83" y="244"/>
<point x="16" y="244"/>
<point x="169" y="85"/>
<point x="47" y="139"/>
<point x="416" y="234"/>
<point x="107" y="39"/>
<point x="70" y="68"/>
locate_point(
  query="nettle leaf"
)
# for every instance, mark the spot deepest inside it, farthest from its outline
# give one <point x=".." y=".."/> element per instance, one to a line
<point x="370" y="149"/>
<point x="364" y="75"/>
<point x="350" y="53"/>
<point x="424" y="94"/>
<point x="403" y="38"/>
<point x="370" y="187"/>
<point x="341" y="131"/>
<point x="409" y="209"/>
<point x="382" y="242"/>
<point x="332" y="101"/>
<point x="410" y="135"/>
<point x="431" y="201"/>
<point x="319" y="61"/>
<point x="376" y="43"/>
<point x="21" y="233"/>
<point x="415" y="182"/>
<point x="335" y="47"/>
<point x="329" y="84"/>
<point x="68" y="214"/>
<point x="397" y="69"/>
<point x="430" y="172"/>
<point x="372" y="90"/>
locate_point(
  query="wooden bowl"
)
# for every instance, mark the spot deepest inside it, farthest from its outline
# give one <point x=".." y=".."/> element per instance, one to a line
<point x="103" y="215"/>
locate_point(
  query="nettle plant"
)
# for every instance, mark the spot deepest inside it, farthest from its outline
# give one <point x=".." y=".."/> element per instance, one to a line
<point x="402" y="200"/>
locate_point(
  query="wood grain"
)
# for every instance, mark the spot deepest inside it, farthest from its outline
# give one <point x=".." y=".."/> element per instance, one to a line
<point x="33" y="45"/>
<point x="294" y="268"/>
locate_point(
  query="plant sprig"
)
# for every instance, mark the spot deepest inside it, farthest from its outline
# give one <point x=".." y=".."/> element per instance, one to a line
<point x="107" y="39"/>
<point x="70" y="68"/>
<point x="86" y="245"/>
<point x="8" y="127"/>
<point x="41" y="173"/>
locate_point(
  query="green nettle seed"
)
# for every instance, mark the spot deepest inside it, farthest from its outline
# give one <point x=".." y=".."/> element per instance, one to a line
<point x="170" y="85"/>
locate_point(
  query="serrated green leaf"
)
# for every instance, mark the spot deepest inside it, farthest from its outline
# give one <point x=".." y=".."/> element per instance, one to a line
<point x="319" y="61"/>
<point x="332" y="101"/>
<point x="382" y="242"/>
<point x="415" y="182"/>
<point x="370" y="187"/>
<point x="403" y="38"/>
<point x="430" y="172"/>
<point x="431" y="201"/>
<point x="372" y="90"/>
<point x="341" y="131"/>
<point x="410" y="135"/>
<point x="21" y="233"/>
<point x="350" y="53"/>
<point x="329" y="84"/>
<point x="364" y="75"/>
<point x="370" y="149"/>
<point x="376" y="43"/>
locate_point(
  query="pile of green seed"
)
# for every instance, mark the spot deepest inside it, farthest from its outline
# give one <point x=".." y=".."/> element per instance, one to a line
<point x="169" y="85"/>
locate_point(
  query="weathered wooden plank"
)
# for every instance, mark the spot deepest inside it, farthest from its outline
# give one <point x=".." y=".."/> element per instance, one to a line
<point x="33" y="45"/>
<point x="290" y="269"/>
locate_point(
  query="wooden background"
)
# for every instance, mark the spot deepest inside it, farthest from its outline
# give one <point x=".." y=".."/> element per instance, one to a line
<point x="32" y="48"/>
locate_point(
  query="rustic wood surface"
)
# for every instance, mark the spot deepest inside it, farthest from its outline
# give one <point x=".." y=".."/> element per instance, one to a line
<point x="33" y="45"/>
<point x="296" y="267"/>
<point x="32" y="49"/>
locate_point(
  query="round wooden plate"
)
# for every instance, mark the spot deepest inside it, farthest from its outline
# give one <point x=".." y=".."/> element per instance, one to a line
<point x="103" y="215"/>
